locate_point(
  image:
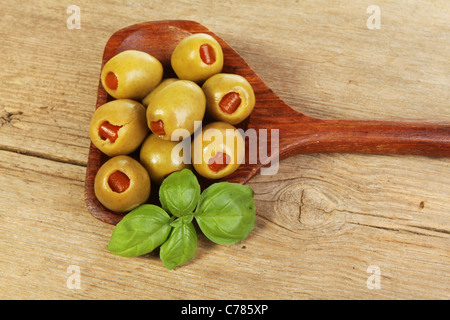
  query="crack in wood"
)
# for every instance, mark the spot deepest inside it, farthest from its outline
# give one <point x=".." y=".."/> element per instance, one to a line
<point x="9" y="116"/>
<point x="44" y="156"/>
<point x="403" y="230"/>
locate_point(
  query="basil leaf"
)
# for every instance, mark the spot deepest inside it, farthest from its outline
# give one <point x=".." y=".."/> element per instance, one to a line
<point x="179" y="193"/>
<point x="226" y="212"/>
<point x="140" y="231"/>
<point x="180" y="247"/>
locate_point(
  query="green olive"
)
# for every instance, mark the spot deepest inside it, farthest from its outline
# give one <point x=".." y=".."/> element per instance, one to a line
<point x="131" y="74"/>
<point x="118" y="127"/>
<point x="156" y="156"/>
<point x="197" y="57"/>
<point x="122" y="184"/>
<point x="218" y="151"/>
<point x="229" y="97"/>
<point x="152" y="93"/>
<point x="177" y="110"/>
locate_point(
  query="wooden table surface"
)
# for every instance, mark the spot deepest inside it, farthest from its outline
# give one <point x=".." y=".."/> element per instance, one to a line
<point x="328" y="226"/>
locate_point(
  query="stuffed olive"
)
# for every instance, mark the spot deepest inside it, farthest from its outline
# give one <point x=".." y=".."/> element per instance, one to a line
<point x="118" y="127"/>
<point x="122" y="184"/>
<point x="179" y="105"/>
<point x="156" y="156"/>
<point x="197" y="57"/>
<point x="152" y="93"/>
<point x="218" y="150"/>
<point x="229" y="97"/>
<point x="131" y="74"/>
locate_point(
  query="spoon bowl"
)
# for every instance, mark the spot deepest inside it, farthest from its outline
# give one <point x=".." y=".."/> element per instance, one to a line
<point x="279" y="130"/>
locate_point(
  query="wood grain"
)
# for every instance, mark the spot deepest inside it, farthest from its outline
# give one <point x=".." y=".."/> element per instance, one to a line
<point x="321" y="221"/>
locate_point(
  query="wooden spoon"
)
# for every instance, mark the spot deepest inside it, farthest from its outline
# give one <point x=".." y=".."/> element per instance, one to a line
<point x="298" y="133"/>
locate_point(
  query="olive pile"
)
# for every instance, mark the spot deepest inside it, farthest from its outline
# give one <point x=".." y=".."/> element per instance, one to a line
<point x="168" y="113"/>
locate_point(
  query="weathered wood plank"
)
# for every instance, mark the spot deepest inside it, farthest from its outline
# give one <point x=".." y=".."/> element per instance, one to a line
<point x="315" y="236"/>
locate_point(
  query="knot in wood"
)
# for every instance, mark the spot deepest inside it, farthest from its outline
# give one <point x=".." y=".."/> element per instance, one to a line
<point x="308" y="208"/>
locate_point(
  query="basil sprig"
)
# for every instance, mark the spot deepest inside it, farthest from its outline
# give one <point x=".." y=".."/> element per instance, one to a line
<point x="225" y="213"/>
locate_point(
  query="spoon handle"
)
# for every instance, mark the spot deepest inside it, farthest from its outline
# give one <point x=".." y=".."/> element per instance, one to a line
<point x="426" y="138"/>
